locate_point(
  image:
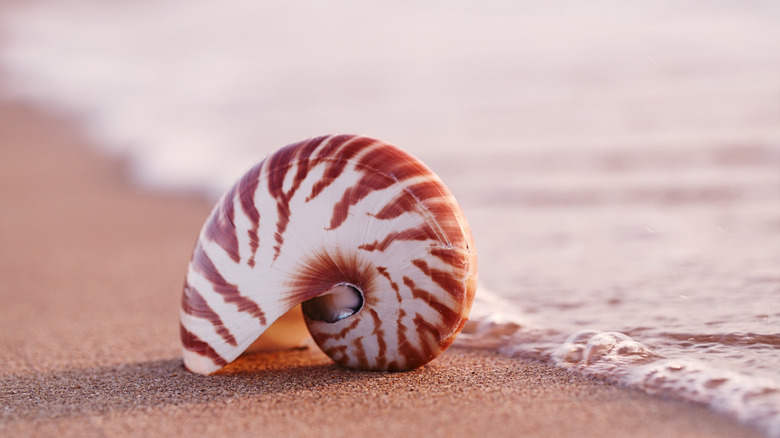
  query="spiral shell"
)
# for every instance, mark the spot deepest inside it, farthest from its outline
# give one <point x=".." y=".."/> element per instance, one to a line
<point x="362" y="234"/>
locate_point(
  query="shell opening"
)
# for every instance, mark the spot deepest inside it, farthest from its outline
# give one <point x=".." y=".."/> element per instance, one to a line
<point x="341" y="301"/>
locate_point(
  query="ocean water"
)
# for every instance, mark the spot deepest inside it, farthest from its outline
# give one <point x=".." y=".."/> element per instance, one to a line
<point x="619" y="162"/>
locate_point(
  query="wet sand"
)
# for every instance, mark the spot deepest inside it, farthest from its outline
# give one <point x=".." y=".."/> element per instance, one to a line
<point x="90" y="276"/>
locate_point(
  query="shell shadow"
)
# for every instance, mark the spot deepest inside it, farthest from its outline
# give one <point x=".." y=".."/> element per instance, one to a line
<point x="161" y="383"/>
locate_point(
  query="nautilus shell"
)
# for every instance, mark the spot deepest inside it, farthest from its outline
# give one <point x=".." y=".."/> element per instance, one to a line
<point x="360" y="233"/>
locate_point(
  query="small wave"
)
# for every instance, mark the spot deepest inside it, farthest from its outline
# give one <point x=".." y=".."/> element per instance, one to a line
<point x="618" y="358"/>
<point x="752" y="400"/>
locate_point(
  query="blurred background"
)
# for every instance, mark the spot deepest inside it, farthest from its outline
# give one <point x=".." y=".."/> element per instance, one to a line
<point x="176" y="84"/>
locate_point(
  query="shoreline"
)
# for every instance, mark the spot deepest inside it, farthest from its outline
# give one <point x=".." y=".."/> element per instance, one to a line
<point x="90" y="280"/>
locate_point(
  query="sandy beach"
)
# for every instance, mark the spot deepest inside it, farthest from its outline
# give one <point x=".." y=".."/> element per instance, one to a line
<point x="90" y="278"/>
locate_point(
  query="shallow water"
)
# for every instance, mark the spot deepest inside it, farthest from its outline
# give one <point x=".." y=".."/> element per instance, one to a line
<point x="620" y="166"/>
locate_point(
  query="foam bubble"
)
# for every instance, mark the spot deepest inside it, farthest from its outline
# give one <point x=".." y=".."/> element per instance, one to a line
<point x="588" y="347"/>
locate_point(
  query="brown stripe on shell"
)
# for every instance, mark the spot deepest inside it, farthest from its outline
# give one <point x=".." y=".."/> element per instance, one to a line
<point x="419" y="233"/>
<point x="423" y="327"/>
<point x="305" y="150"/>
<point x="220" y="228"/>
<point x="368" y="183"/>
<point x="341" y="333"/>
<point x="230" y="293"/>
<point x="450" y="257"/>
<point x="280" y="163"/>
<point x="381" y="360"/>
<point x="247" y="187"/>
<point x="329" y="144"/>
<point x="410" y="199"/>
<point x="449" y="317"/>
<point x="192" y="303"/>
<point x="383" y="271"/>
<point x="393" y="161"/>
<point x="448" y="223"/>
<point x="194" y="344"/>
<point x="405" y="347"/>
<point x="360" y="353"/>
<point x="450" y="284"/>
<point x="339" y="150"/>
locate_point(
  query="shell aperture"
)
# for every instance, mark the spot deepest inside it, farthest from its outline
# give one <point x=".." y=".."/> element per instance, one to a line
<point x="362" y="234"/>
